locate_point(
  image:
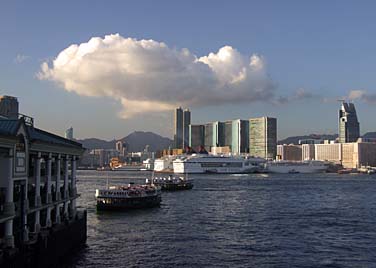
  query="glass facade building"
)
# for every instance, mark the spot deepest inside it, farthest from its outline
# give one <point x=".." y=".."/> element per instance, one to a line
<point x="196" y="136"/>
<point x="348" y="123"/>
<point x="178" y="128"/>
<point x="263" y="137"/>
<point x="186" y="123"/>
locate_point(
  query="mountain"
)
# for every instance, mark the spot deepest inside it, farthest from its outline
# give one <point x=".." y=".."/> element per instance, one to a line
<point x="93" y="143"/>
<point x="370" y="135"/>
<point x="295" y="139"/>
<point x="136" y="142"/>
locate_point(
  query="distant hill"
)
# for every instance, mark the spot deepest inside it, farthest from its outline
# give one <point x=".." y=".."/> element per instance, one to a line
<point x="93" y="143"/>
<point x="295" y="139"/>
<point x="370" y="135"/>
<point x="136" y="142"/>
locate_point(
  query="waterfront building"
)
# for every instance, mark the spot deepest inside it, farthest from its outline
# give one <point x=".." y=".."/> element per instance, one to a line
<point x="214" y="135"/>
<point x="348" y="125"/>
<point x="240" y="136"/>
<point x="358" y="154"/>
<point x="289" y="152"/>
<point x="223" y="150"/>
<point x="328" y="152"/>
<point x="196" y="136"/>
<point x="8" y="107"/>
<point x="37" y="188"/>
<point x="69" y="133"/>
<point x="308" y="152"/>
<point x="263" y="137"/>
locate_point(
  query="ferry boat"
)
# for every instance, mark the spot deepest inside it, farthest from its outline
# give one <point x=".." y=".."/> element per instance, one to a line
<point x="128" y="197"/>
<point x="200" y="163"/>
<point x="173" y="183"/>
<point x="291" y="167"/>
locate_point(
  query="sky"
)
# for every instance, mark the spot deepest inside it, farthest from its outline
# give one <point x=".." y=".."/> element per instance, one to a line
<point x="108" y="68"/>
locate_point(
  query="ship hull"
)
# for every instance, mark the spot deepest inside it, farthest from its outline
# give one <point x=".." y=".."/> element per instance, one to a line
<point x="129" y="203"/>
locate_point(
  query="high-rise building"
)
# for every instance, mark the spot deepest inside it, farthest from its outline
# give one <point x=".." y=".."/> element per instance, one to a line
<point x="121" y="147"/>
<point x="178" y="128"/>
<point x="348" y="124"/>
<point x="182" y="120"/>
<point x="214" y="135"/>
<point x="240" y="136"/>
<point x="9" y="107"/>
<point x="186" y="123"/>
<point x="263" y="137"/>
<point x="196" y="136"/>
<point x="236" y="136"/>
<point x="69" y="133"/>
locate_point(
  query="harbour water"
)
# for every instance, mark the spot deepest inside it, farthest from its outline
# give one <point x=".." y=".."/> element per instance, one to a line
<point x="255" y="220"/>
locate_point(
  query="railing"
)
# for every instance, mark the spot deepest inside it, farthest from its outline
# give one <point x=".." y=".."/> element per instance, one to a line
<point x="28" y="120"/>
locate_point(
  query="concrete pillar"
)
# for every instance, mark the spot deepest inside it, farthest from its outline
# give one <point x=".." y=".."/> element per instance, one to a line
<point x="38" y="201"/>
<point x="74" y="171"/>
<point x="48" y="190"/>
<point x="9" y="205"/>
<point x="66" y="194"/>
<point x="58" y="196"/>
<point x="73" y="185"/>
<point x="26" y="208"/>
<point x="49" y="179"/>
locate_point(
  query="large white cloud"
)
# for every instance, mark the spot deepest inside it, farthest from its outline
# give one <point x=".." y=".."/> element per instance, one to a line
<point x="363" y="95"/>
<point x="145" y="75"/>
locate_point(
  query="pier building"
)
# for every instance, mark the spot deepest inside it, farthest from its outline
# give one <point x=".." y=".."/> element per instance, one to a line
<point x="38" y="194"/>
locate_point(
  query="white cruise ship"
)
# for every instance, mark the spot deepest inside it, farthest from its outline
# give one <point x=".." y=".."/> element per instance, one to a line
<point x="199" y="163"/>
<point x="296" y="167"/>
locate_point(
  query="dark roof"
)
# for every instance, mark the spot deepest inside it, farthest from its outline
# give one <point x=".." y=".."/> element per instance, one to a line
<point x="10" y="127"/>
<point x="44" y="136"/>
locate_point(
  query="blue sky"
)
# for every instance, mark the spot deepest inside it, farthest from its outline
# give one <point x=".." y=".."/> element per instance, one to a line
<point x="325" y="49"/>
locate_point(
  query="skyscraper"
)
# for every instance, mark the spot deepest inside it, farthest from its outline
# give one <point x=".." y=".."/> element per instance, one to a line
<point x="69" y="133"/>
<point x="182" y="120"/>
<point x="348" y="125"/>
<point x="196" y="136"/>
<point x="214" y="134"/>
<point x="240" y="136"/>
<point x="263" y="137"/>
<point x="178" y="128"/>
<point x="186" y="123"/>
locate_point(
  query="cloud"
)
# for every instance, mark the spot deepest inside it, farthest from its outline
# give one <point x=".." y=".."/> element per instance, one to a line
<point x="147" y="76"/>
<point x="362" y="95"/>
<point x="299" y="95"/>
<point x="20" y="58"/>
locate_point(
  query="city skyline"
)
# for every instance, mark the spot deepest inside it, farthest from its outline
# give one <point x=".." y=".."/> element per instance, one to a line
<point x="259" y="61"/>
